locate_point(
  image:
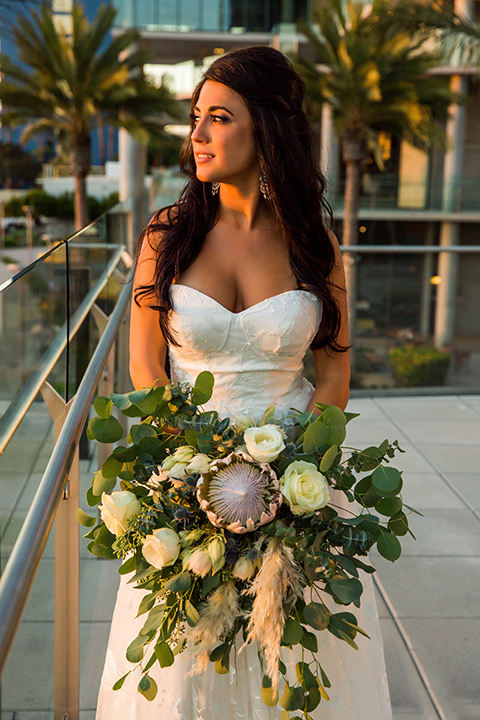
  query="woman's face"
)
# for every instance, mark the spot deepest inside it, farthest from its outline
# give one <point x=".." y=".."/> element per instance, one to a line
<point x="222" y="137"/>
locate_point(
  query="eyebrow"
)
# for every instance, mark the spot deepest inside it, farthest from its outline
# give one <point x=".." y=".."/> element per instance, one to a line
<point x="216" y="107"/>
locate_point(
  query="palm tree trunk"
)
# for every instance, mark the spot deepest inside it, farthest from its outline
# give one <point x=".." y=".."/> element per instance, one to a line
<point x="81" y="163"/>
<point x="101" y="139"/>
<point x="354" y="152"/>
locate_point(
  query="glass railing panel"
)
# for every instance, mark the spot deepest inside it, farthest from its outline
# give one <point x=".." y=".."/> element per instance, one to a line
<point x="32" y="311"/>
<point x="27" y="684"/>
<point x="397" y="304"/>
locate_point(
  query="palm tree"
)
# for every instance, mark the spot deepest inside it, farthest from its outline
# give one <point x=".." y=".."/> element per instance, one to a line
<point x="72" y="80"/>
<point x="373" y="74"/>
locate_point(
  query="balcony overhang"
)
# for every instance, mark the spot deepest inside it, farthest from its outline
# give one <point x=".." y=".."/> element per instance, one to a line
<point x="170" y="47"/>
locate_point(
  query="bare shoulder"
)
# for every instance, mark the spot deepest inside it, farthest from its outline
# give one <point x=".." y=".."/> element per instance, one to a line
<point x="151" y="236"/>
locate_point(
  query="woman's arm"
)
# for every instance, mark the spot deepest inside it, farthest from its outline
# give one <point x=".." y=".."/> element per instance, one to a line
<point x="148" y="349"/>
<point x="332" y="369"/>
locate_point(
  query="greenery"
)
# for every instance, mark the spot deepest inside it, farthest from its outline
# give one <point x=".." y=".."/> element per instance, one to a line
<point x="57" y="206"/>
<point x="18" y="168"/>
<point x="419" y="366"/>
<point x="221" y="573"/>
<point x="67" y="82"/>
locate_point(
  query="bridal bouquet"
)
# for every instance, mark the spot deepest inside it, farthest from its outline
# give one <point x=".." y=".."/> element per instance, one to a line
<point x="225" y="523"/>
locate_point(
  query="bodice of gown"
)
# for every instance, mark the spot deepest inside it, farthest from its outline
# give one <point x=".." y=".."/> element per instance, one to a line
<point x="255" y="355"/>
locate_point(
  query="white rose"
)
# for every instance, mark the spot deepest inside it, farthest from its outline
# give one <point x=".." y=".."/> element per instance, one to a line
<point x="162" y="548"/>
<point x="200" y="463"/>
<point x="244" y="568"/>
<point x="304" y="487"/>
<point x="265" y="443"/>
<point x="200" y="562"/>
<point x="117" y="509"/>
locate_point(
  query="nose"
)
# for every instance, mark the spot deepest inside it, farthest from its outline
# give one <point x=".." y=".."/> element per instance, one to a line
<point x="199" y="132"/>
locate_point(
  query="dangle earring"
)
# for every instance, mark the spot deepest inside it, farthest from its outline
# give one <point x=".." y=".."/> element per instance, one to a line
<point x="215" y="188"/>
<point x="264" y="188"/>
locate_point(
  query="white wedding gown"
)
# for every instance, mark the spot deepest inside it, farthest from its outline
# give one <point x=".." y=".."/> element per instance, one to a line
<point x="256" y="357"/>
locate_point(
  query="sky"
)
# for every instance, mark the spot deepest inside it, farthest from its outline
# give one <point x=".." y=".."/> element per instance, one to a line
<point x="8" y="47"/>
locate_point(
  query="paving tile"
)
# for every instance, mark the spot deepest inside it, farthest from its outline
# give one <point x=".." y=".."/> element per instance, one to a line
<point x="448" y="649"/>
<point x="368" y="409"/>
<point x="93" y="647"/>
<point x="406" y="690"/>
<point x="454" y="456"/>
<point x="458" y="432"/>
<point x="382" y="609"/>
<point x="431" y="586"/>
<point x="34" y="715"/>
<point x="468" y="484"/>
<point x="411" y="460"/>
<point x="32" y="658"/>
<point x="428" y="491"/>
<point x="428" y="407"/>
<point x="373" y="432"/>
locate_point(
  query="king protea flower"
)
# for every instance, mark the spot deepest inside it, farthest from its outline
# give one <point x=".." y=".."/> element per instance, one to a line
<point x="239" y="494"/>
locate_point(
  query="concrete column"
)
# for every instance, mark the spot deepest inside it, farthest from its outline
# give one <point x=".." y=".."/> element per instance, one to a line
<point x="449" y="232"/>
<point x="329" y="151"/>
<point x="133" y="165"/>
<point x="426" y="297"/>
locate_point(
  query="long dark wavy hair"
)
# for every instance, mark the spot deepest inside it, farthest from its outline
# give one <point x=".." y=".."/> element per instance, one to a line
<point x="273" y="93"/>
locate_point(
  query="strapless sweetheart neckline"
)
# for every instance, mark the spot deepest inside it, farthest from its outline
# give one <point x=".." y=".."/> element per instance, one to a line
<point x="251" y="307"/>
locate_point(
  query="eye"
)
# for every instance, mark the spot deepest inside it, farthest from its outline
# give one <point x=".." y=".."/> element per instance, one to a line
<point x="194" y="118"/>
<point x="219" y="118"/>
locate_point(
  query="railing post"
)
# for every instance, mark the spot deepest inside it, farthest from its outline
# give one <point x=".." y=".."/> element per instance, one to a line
<point x="67" y="584"/>
<point x="105" y="385"/>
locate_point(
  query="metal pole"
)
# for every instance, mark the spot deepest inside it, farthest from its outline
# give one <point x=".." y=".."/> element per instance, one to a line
<point x="21" y="568"/>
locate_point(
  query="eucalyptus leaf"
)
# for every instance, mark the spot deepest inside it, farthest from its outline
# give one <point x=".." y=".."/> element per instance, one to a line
<point x="118" y="685"/>
<point x="138" y="432"/>
<point x="103" y="407"/>
<point x="105" y="430"/>
<point x="335" y="422"/>
<point x="178" y="583"/>
<point x="202" y="390"/>
<point x="101" y="484"/>
<point x="191" y="613"/>
<point x="218" y="652"/>
<point x="313" y="698"/>
<point x="316" y="615"/>
<point x="154" y="620"/>
<point x="389" y="547"/>
<point x="305" y="676"/>
<point x="121" y="401"/>
<point x="398" y="523"/>
<point x="329" y="458"/>
<point x="222" y="666"/>
<point x="292" y="632"/>
<point x="269" y="696"/>
<point x="84" y="519"/>
<point x="315" y="436"/>
<point x="346" y="590"/>
<point x="111" y="467"/>
<point x="309" y="641"/>
<point x="164" y="654"/>
<point x="136" y="648"/>
<point x="387" y="480"/>
<point x="389" y="506"/>
<point x="146" y="604"/>
<point x="148" y="687"/>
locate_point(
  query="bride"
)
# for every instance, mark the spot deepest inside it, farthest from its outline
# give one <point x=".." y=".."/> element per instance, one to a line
<point x="241" y="277"/>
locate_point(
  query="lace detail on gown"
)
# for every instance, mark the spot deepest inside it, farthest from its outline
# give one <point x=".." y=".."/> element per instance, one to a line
<point x="256" y="357"/>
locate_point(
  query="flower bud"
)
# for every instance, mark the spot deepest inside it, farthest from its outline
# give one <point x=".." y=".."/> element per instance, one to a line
<point x="216" y="550"/>
<point x="188" y="537"/>
<point x="200" y="562"/>
<point x="243" y="422"/>
<point x="200" y="463"/>
<point x="244" y="569"/>
<point x="167" y="393"/>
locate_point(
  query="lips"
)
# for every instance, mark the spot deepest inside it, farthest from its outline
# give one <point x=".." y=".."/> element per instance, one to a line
<point x="203" y="157"/>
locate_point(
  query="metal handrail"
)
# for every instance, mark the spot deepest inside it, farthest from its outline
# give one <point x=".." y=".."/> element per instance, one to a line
<point x="22" y="566"/>
<point x="403" y="249"/>
<point x="17" y="409"/>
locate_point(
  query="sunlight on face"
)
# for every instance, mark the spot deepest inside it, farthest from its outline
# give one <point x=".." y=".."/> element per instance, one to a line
<point x="222" y="138"/>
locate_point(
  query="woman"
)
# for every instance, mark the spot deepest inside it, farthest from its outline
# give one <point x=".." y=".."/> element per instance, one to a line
<point x="240" y="277"/>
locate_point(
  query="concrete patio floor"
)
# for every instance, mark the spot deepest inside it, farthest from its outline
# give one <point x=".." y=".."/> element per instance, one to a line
<point x="429" y="601"/>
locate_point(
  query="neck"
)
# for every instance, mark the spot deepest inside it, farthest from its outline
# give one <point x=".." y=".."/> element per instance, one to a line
<point x="242" y="207"/>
